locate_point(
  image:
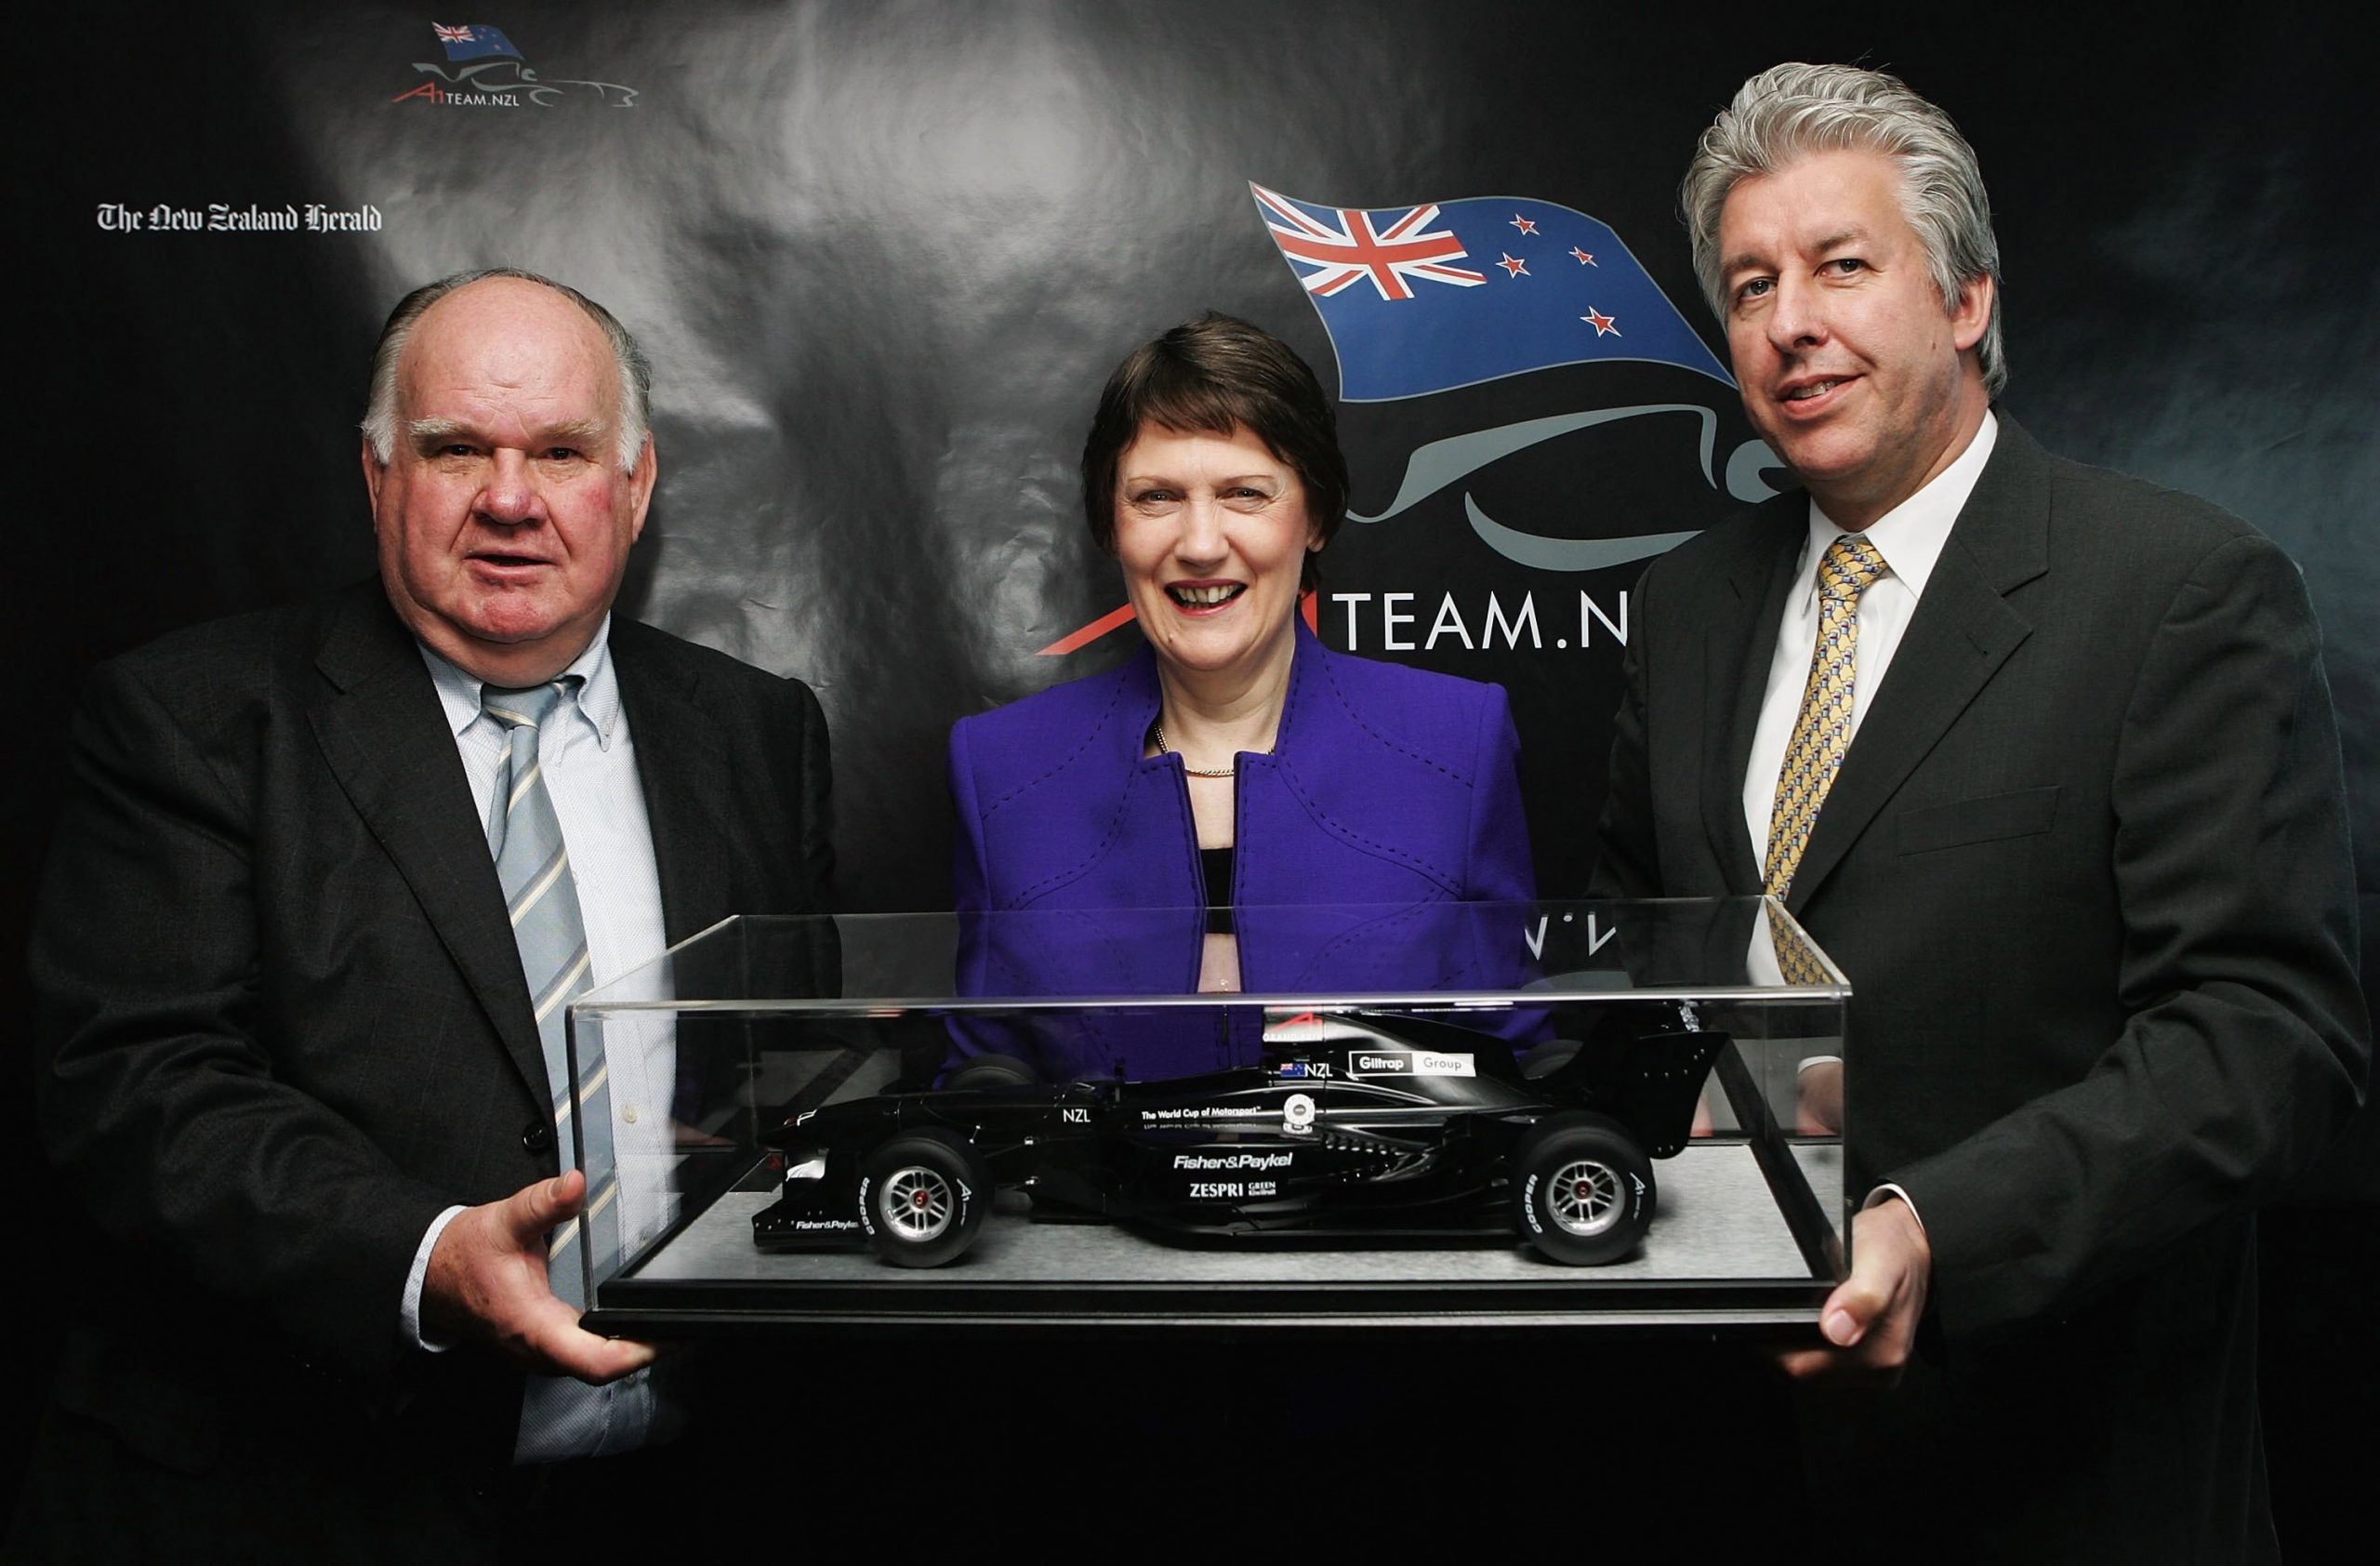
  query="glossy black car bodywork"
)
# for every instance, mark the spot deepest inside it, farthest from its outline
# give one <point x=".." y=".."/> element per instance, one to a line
<point x="1365" y="1125"/>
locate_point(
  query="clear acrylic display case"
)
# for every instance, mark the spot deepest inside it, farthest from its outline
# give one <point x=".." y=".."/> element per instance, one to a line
<point x="723" y="1055"/>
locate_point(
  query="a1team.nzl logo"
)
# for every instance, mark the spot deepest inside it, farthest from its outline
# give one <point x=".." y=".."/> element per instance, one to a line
<point x="482" y="70"/>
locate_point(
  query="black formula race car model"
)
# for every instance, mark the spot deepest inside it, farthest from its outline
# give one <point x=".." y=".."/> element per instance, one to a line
<point x="1365" y="1125"/>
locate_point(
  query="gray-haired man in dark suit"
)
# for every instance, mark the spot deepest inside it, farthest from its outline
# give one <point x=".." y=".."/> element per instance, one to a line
<point x="2044" y="757"/>
<point x="295" y="1067"/>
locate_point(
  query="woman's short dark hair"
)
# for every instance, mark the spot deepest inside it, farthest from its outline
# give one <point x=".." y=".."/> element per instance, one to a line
<point x="1218" y="374"/>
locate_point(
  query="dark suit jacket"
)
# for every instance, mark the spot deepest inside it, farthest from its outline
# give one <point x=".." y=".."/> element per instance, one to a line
<point x="2085" y="866"/>
<point x="284" y="1022"/>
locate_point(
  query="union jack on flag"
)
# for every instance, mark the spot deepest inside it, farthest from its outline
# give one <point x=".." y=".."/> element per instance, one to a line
<point x="475" y="42"/>
<point x="1352" y="246"/>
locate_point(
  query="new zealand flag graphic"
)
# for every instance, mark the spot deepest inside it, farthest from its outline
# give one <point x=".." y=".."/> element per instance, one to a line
<point x="476" y="41"/>
<point x="1426" y="298"/>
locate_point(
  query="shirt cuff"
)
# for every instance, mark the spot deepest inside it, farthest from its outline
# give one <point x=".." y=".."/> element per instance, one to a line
<point x="409" y="1317"/>
<point x="1888" y="1190"/>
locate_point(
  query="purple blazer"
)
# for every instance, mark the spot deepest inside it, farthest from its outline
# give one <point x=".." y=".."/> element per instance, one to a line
<point x="1390" y="798"/>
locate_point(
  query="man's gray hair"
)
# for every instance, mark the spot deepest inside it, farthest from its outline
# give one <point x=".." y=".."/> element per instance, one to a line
<point x="635" y="376"/>
<point x="1789" y="111"/>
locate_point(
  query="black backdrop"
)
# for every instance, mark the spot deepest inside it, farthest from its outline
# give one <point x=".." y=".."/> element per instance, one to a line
<point x="882" y="256"/>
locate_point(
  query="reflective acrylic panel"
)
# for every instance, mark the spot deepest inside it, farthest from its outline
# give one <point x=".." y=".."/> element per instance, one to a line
<point x="1590" y="1112"/>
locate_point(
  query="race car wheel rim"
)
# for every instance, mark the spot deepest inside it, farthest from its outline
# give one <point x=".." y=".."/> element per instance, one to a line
<point x="917" y="1204"/>
<point x="1585" y="1197"/>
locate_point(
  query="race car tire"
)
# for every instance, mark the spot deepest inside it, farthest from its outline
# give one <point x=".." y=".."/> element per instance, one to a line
<point x="923" y="1197"/>
<point x="1582" y="1189"/>
<point x="991" y="1070"/>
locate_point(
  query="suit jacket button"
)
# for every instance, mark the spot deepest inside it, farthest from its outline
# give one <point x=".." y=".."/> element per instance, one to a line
<point x="539" y="1137"/>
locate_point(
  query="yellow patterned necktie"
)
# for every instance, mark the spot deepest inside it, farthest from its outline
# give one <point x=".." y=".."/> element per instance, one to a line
<point x="1823" y="731"/>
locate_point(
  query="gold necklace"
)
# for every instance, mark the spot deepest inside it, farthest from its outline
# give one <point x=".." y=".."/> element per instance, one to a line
<point x="1232" y="771"/>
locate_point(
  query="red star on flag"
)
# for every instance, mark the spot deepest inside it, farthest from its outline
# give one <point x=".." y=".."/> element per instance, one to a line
<point x="1600" y="321"/>
<point x="1584" y="261"/>
<point x="1512" y="268"/>
<point x="1523" y="224"/>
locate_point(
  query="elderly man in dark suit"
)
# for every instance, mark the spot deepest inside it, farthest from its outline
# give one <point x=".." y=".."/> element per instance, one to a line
<point x="2044" y="758"/>
<point x="326" y="881"/>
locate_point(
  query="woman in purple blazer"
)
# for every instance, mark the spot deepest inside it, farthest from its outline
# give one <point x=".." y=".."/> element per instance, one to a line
<point x="1171" y="826"/>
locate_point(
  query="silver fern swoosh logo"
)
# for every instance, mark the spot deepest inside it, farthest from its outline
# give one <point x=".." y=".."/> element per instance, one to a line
<point x="1441" y="463"/>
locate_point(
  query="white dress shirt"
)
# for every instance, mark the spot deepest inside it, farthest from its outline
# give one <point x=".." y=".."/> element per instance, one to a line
<point x="587" y="758"/>
<point x="1911" y="538"/>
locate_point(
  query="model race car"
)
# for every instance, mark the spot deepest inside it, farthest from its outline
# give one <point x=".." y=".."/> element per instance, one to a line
<point x="1360" y="1125"/>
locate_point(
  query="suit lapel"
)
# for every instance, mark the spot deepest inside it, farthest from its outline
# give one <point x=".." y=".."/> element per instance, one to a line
<point x="686" y="782"/>
<point x="1738" y="648"/>
<point x="1963" y="630"/>
<point x="385" y="737"/>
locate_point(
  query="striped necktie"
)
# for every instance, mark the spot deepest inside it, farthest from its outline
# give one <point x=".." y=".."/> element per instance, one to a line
<point x="1822" y="732"/>
<point x="533" y="864"/>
